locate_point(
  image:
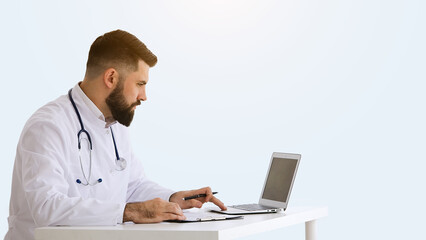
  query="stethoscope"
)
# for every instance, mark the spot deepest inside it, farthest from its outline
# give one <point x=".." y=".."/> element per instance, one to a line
<point x="120" y="163"/>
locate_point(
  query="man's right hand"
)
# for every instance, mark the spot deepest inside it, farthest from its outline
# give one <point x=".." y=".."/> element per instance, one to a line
<point x="152" y="211"/>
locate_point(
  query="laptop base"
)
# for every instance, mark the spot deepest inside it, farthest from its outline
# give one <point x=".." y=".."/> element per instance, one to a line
<point x="235" y="211"/>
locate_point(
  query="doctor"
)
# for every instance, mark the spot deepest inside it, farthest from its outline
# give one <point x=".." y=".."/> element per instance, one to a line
<point x="74" y="163"/>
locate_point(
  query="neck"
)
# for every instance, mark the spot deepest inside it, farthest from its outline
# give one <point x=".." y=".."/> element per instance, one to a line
<point x="97" y="93"/>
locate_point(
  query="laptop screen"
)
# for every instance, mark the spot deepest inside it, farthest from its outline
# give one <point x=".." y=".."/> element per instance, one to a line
<point x="279" y="180"/>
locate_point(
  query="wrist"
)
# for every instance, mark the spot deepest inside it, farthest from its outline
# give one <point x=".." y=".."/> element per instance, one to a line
<point x="171" y="198"/>
<point x="127" y="214"/>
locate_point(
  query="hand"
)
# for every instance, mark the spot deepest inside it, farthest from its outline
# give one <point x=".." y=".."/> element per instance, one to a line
<point x="177" y="197"/>
<point x="152" y="211"/>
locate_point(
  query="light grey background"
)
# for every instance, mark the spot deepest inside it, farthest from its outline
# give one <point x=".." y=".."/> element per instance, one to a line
<point x="341" y="82"/>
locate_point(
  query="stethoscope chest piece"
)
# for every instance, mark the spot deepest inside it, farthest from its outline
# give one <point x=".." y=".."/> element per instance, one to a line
<point x="120" y="164"/>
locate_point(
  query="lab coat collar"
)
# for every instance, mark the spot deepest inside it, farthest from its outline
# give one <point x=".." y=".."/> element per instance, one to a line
<point x="92" y="107"/>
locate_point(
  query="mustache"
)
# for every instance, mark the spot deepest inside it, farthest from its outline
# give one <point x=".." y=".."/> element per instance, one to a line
<point x="138" y="102"/>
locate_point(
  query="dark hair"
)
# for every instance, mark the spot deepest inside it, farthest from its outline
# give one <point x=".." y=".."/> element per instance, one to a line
<point x="118" y="49"/>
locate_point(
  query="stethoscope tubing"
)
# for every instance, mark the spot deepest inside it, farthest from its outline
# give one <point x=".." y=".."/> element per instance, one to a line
<point x="119" y="161"/>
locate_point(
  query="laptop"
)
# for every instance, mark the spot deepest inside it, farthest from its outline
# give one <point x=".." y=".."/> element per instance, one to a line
<point x="277" y="188"/>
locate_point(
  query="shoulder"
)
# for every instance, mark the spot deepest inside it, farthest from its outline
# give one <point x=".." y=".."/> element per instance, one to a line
<point x="50" y="121"/>
<point x="56" y="111"/>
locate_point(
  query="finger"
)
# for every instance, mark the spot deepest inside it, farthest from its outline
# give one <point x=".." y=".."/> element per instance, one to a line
<point x="205" y="190"/>
<point x="218" y="203"/>
<point x="193" y="203"/>
<point x="173" y="208"/>
<point x="209" y="194"/>
<point x="171" y="216"/>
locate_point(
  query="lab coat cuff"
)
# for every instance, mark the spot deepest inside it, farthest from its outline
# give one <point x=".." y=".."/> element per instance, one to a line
<point x="121" y="213"/>
<point x="168" y="195"/>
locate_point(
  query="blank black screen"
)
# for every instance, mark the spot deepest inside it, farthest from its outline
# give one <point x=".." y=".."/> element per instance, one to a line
<point x="279" y="179"/>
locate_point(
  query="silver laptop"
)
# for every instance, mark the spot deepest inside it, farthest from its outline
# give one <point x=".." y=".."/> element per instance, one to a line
<point x="277" y="188"/>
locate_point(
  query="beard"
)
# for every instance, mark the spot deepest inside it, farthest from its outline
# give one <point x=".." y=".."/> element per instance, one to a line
<point x="121" y="111"/>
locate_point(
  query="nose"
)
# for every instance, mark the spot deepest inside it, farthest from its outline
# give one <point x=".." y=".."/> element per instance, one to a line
<point x="142" y="94"/>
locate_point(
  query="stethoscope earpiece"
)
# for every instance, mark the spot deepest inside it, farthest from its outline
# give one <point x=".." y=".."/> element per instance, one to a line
<point x="79" y="182"/>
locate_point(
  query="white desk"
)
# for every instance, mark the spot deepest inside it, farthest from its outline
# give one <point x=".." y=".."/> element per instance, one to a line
<point x="218" y="230"/>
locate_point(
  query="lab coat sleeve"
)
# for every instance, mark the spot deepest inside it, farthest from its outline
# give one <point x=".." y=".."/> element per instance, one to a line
<point x="43" y="150"/>
<point x="140" y="188"/>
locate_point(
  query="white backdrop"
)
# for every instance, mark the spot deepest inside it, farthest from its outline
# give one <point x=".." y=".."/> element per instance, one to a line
<point x="341" y="82"/>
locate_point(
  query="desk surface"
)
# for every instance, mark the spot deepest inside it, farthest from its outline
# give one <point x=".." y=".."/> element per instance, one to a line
<point x="230" y="229"/>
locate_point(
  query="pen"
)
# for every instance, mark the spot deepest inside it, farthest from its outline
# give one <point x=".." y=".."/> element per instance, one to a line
<point x="197" y="196"/>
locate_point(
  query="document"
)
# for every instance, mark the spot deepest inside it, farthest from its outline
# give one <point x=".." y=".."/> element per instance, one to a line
<point x="202" y="216"/>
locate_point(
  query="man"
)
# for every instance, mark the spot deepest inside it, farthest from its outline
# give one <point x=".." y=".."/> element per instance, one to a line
<point x="74" y="164"/>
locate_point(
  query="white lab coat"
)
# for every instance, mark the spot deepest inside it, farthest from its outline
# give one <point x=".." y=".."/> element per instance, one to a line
<point x="44" y="188"/>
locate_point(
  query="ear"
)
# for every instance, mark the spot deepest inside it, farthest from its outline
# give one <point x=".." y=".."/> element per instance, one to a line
<point x="110" y="77"/>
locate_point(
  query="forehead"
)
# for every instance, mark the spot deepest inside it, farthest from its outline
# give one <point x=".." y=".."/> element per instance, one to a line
<point x="141" y="74"/>
<point x="143" y="66"/>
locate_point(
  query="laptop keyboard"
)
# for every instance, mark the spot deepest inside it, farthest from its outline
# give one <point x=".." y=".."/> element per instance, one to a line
<point x="250" y="207"/>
